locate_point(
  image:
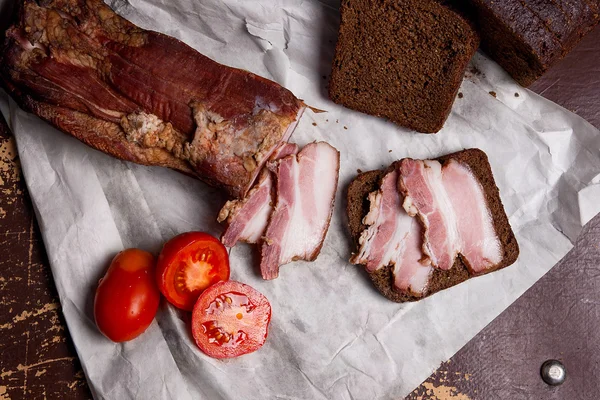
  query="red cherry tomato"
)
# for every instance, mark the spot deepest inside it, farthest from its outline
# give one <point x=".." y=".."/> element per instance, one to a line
<point x="188" y="264"/>
<point x="127" y="297"/>
<point x="230" y="319"/>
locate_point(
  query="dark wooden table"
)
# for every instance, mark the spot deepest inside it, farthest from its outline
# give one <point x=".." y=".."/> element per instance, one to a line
<point x="557" y="318"/>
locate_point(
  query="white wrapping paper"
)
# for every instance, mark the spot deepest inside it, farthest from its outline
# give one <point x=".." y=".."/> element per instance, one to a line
<point x="332" y="336"/>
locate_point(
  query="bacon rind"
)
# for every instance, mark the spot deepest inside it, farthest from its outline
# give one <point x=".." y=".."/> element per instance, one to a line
<point x="287" y="237"/>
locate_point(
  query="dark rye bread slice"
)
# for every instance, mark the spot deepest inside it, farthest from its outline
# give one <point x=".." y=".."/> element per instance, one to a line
<point x="383" y="279"/>
<point x="403" y="60"/>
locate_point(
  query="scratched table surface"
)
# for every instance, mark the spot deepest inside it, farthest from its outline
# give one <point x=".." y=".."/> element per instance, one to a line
<point x="557" y="318"/>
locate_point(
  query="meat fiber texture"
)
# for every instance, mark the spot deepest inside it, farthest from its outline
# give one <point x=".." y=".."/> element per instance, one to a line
<point x="332" y="336"/>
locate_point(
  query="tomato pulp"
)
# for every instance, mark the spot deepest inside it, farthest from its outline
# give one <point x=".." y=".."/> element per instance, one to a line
<point x="188" y="264"/>
<point x="230" y="319"/>
<point x="127" y="297"/>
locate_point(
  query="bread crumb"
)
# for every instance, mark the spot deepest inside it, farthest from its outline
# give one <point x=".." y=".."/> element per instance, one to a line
<point x="326" y="120"/>
<point x="359" y="171"/>
<point x="460" y="95"/>
<point x="475" y="71"/>
<point x="345" y="127"/>
<point x="516" y="94"/>
<point x="314" y="124"/>
<point x="390" y="151"/>
<point x="493" y="93"/>
<point x="337" y="121"/>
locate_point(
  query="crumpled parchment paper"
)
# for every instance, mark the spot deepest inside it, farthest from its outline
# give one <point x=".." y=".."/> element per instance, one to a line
<point x="332" y="335"/>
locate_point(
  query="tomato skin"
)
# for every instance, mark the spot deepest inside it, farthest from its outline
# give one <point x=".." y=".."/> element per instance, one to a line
<point x="182" y="271"/>
<point x="127" y="297"/>
<point x="230" y="309"/>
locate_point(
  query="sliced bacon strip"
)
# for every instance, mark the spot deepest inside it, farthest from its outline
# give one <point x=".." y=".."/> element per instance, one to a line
<point x="393" y="238"/>
<point x="247" y="218"/>
<point x="305" y="192"/>
<point x="450" y="203"/>
<point x="480" y="246"/>
<point x="421" y="184"/>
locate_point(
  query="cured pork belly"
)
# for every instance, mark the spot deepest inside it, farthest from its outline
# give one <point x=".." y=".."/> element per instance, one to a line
<point x="450" y="203"/>
<point x="305" y="192"/>
<point x="425" y="196"/>
<point x="247" y="218"/>
<point x="393" y="238"/>
<point x="149" y="97"/>
<point x="457" y="190"/>
<point x="480" y="247"/>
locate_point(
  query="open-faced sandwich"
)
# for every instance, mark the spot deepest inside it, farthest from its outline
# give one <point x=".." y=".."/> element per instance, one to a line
<point x="421" y="226"/>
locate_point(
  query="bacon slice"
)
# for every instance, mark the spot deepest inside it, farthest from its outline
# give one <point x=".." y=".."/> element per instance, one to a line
<point x="450" y="203"/>
<point x="393" y="238"/>
<point x="411" y="276"/>
<point x="480" y="246"/>
<point x="421" y="184"/>
<point x="305" y="192"/>
<point x="247" y="218"/>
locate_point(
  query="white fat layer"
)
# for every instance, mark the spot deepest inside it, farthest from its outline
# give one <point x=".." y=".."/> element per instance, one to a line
<point x="419" y="282"/>
<point x="433" y="175"/>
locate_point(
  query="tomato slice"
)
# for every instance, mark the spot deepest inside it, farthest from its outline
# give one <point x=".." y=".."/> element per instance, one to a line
<point x="230" y="319"/>
<point x="188" y="264"/>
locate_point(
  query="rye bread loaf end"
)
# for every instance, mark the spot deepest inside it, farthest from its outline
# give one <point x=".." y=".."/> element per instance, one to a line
<point x="526" y="37"/>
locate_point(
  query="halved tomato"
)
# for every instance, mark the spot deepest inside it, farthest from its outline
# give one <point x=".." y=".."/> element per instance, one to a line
<point x="188" y="264"/>
<point x="230" y="319"/>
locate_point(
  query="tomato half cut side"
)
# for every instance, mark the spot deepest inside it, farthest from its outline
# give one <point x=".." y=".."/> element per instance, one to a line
<point x="230" y="319"/>
<point x="188" y="264"/>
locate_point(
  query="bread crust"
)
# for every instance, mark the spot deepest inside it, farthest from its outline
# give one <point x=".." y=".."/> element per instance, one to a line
<point x="357" y="207"/>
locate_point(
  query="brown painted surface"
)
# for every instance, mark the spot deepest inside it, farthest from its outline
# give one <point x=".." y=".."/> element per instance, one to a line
<point x="37" y="359"/>
<point x="557" y="318"/>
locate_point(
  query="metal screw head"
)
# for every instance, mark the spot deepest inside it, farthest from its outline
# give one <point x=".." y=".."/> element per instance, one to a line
<point x="553" y="372"/>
